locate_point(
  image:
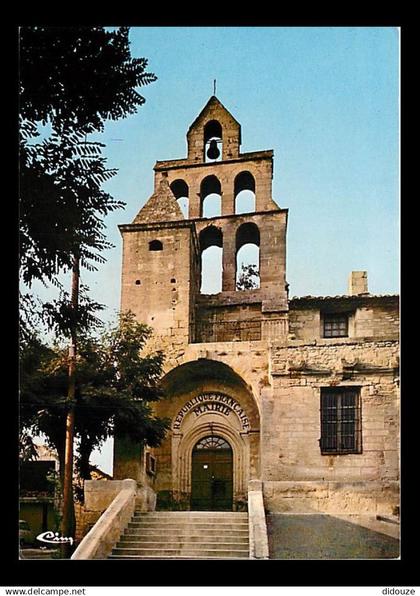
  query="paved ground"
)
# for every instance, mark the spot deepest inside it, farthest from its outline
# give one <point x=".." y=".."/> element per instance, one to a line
<point x="295" y="536"/>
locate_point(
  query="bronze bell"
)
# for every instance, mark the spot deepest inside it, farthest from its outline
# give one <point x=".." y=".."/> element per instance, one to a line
<point x="213" y="151"/>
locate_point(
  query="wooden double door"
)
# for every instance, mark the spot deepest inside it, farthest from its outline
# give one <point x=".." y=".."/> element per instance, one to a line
<point x="212" y="475"/>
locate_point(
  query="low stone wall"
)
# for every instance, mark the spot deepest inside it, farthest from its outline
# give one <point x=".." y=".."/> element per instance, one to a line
<point x="145" y="499"/>
<point x="258" y="539"/>
<point x="331" y="497"/>
<point x="99" y="541"/>
<point x="99" y="494"/>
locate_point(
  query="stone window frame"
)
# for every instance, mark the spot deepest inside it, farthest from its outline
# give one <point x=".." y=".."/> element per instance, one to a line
<point x="349" y="316"/>
<point x="335" y="411"/>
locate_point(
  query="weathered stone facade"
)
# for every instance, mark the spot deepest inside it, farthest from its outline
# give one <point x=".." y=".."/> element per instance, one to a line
<point x="252" y="366"/>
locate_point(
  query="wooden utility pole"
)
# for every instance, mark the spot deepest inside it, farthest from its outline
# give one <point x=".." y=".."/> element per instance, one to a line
<point x="67" y="524"/>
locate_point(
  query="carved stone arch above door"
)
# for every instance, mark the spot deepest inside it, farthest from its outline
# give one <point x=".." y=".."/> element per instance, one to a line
<point x="183" y="447"/>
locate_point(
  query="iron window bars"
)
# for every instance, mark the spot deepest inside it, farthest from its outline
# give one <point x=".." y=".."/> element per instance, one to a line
<point x="341" y="430"/>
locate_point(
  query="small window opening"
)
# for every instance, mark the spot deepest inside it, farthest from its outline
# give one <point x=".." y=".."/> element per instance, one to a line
<point x="138" y="282"/>
<point x="155" y="245"/>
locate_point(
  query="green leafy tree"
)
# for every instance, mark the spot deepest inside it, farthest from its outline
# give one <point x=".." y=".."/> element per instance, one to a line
<point x="116" y="386"/>
<point x="78" y="77"/>
<point x="249" y="278"/>
<point x="62" y="205"/>
<point x="73" y="79"/>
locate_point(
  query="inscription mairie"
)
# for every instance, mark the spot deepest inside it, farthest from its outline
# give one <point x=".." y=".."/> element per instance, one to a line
<point x="211" y="402"/>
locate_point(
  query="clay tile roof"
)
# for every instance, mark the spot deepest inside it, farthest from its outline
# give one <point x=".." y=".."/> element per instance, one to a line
<point x="344" y="297"/>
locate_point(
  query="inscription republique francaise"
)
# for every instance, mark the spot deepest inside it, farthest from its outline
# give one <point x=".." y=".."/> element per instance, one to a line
<point x="211" y="402"/>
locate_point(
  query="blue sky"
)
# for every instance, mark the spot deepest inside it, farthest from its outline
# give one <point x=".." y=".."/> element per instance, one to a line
<point x="325" y="99"/>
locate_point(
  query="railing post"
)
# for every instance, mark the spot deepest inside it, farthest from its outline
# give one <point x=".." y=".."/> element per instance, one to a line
<point x="258" y="538"/>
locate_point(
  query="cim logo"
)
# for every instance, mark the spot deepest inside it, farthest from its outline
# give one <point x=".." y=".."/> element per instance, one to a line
<point x="53" y="538"/>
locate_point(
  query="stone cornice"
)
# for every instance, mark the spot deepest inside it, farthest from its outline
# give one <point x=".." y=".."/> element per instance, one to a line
<point x="176" y="164"/>
<point x="344" y="371"/>
<point x="135" y="227"/>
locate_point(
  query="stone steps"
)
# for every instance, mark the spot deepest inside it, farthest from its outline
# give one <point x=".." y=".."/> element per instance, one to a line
<point x="180" y="533"/>
<point x="198" y="544"/>
<point x="175" y="557"/>
<point x="186" y="552"/>
<point x="190" y="514"/>
<point x="184" y="535"/>
<point x="175" y="538"/>
<point x="176" y="525"/>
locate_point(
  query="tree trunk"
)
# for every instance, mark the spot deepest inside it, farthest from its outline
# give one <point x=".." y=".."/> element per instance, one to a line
<point x="85" y="451"/>
<point x="68" y="521"/>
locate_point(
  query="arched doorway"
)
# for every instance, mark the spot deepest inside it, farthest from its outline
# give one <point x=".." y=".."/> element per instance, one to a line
<point x="207" y="398"/>
<point x="212" y="475"/>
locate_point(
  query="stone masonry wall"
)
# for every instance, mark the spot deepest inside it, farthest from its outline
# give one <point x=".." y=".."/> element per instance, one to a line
<point x="258" y="164"/>
<point x="292" y="462"/>
<point x="283" y="372"/>
<point x="156" y="284"/>
<point x="377" y="321"/>
<point x="368" y="318"/>
<point x="231" y="131"/>
<point x="272" y="260"/>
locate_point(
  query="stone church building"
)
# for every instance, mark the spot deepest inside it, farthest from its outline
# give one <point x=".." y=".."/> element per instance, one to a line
<point x="301" y="394"/>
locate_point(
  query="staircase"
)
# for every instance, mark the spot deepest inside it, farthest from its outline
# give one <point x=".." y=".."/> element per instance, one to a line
<point x="184" y="535"/>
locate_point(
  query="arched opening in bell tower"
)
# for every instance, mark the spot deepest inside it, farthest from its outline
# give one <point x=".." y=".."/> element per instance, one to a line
<point x="211" y="197"/>
<point x="180" y="191"/>
<point x="248" y="257"/>
<point x="211" y="251"/>
<point x="213" y="141"/>
<point x="244" y="192"/>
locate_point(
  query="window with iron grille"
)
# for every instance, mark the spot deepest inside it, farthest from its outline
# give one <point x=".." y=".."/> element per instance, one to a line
<point x="336" y="325"/>
<point x="341" y="430"/>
